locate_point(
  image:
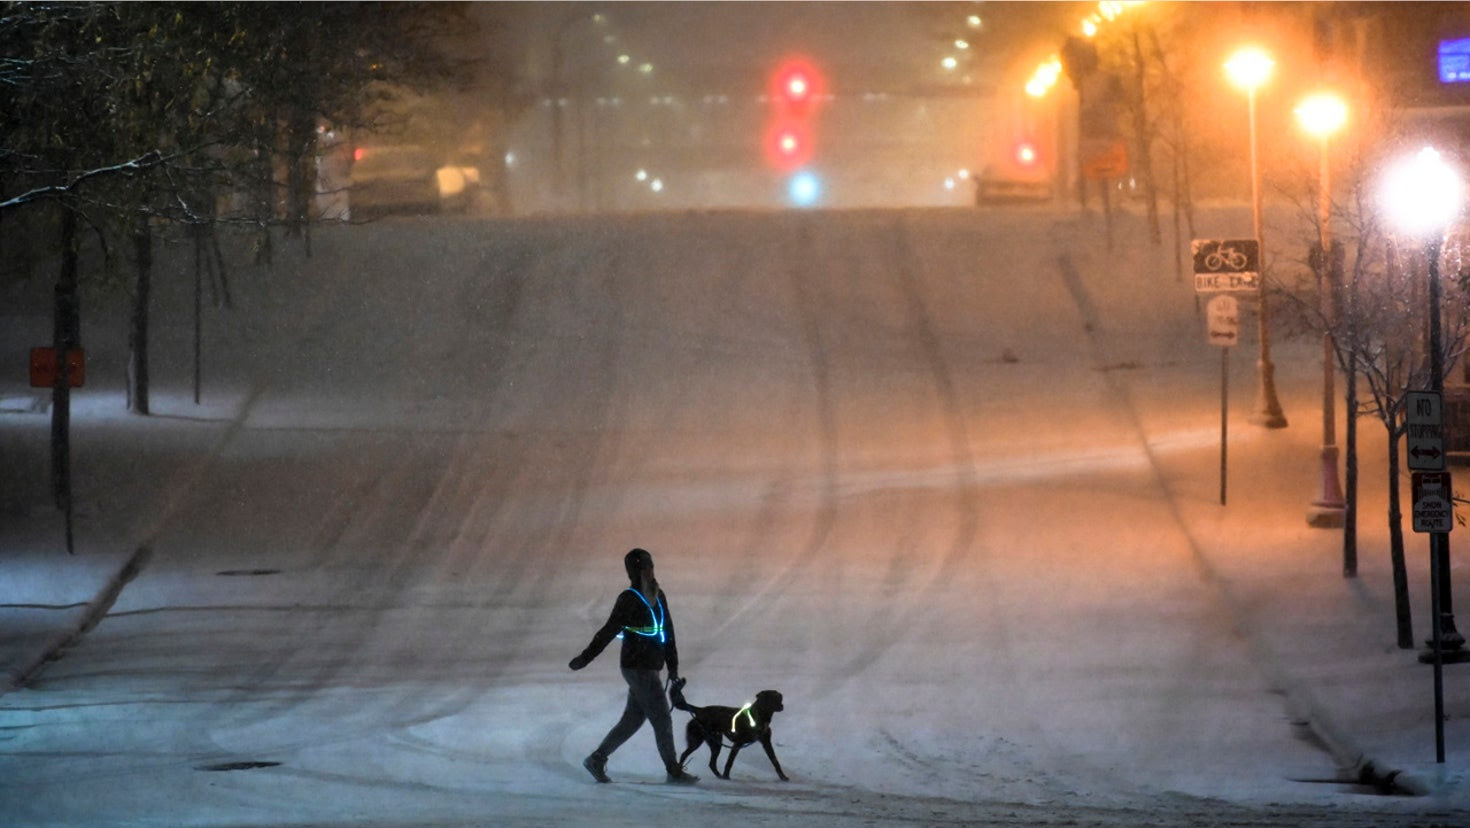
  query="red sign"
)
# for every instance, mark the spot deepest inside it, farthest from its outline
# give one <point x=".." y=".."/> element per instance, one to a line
<point x="43" y="367"/>
<point x="1104" y="160"/>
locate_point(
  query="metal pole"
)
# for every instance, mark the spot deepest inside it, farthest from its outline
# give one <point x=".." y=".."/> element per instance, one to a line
<point x="1436" y="576"/>
<point x="1326" y="511"/>
<point x="1224" y="419"/>
<point x="1350" y="439"/>
<point x="1449" y="644"/>
<point x="1268" y="408"/>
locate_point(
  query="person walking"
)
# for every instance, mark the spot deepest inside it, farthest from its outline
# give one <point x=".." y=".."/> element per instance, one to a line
<point x="640" y="615"/>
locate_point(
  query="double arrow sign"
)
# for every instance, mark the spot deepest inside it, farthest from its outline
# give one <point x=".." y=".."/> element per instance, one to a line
<point x="1424" y="416"/>
<point x="1433" y="504"/>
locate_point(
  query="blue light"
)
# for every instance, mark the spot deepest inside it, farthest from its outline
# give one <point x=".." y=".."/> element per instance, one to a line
<point x="1454" y="61"/>
<point x="804" y="189"/>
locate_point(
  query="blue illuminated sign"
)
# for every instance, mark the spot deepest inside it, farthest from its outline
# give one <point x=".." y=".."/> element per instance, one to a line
<point x="1454" y="61"/>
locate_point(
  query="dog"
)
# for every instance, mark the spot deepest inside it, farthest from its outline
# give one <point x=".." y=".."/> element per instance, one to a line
<point x="741" y="726"/>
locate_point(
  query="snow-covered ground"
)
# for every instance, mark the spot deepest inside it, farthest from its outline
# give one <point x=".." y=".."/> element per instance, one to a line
<point x="947" y="479"/>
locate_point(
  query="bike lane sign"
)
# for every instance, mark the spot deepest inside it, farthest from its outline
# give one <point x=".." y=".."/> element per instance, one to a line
<point x="1226" y="264"/>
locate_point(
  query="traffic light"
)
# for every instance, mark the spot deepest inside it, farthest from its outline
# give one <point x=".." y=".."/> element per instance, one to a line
<point x="1026" y="155"/>
<point x="796" y="86"/>
<point x="796" y="90"/>
<point x="789" y="145"/>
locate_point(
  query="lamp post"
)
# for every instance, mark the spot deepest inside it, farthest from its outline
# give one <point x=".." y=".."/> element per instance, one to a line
<point x="1422" y="196"/>
<point x="1322" y="115"/>
<point x="1249" y="68"/>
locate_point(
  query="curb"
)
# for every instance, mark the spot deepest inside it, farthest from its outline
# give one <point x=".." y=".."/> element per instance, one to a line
<point x="1356" y="767"/>
<point x="95" y="611"/>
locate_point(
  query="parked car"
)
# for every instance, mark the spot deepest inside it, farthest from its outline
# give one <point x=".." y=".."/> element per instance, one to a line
<point x="409" y="179"/>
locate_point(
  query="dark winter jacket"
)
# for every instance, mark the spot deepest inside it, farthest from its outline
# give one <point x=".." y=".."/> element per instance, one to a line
<point x="648" y="633"/>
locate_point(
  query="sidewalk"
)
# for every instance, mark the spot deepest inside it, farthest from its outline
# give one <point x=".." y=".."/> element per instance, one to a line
<point x="48" y="599"/>
<point x="1327" y="642"/>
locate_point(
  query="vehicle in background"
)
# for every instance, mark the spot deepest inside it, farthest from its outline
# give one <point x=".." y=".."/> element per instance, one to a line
<point x="409" y="179"/>
<point x="1020" y="176"/>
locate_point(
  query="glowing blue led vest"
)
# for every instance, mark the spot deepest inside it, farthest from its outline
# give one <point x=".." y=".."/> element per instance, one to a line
<point x="654" y="630"/>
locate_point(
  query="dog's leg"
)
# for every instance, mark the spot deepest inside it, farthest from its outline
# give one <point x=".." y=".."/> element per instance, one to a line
<point x="714" y="754"/>
<point x="734" y="750"/>
<point x="771" y="752"/>
<point x="693" y="738"/>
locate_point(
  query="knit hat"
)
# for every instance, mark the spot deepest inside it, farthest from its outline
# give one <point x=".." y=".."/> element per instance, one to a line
<point x="635" y="562"/>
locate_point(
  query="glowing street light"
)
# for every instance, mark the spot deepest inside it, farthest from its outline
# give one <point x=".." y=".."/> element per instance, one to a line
<point x="1321" y="115"/>
<point x="1422" y="195"/>
<point x="1249" y="68"/>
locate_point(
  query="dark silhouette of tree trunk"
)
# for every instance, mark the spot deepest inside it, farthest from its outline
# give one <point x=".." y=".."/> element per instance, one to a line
<point x="1144" y="133"/>
<point x="1402" y="615"/>
<point x="138" y="324"/>
<point x="65" y="337"/>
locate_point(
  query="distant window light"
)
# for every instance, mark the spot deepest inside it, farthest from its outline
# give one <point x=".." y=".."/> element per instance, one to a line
<point x="1454" y="61"/>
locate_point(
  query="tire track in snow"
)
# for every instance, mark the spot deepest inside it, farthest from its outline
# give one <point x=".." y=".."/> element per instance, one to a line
<point x="890" y="623"/>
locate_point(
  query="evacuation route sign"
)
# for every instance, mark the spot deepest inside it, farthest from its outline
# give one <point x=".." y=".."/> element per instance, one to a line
<point x="1433" y="511"/>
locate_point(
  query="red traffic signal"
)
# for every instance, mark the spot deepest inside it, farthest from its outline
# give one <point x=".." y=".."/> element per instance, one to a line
<point x="1026" y="154"/>
<point x="789" y="145"/>
<point x="796" y="85"/>
<point x="790" y="139"/>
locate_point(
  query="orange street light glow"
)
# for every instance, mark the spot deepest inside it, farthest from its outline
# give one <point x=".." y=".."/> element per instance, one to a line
<point x="1322" y="114"/>
<point x="1249" y="68"/>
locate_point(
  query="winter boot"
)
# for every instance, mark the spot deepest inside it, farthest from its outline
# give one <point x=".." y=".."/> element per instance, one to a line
<point x="596" y="764"/>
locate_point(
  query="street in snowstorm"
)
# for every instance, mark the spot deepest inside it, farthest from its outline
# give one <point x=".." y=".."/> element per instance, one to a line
<point x="946" y="479"/>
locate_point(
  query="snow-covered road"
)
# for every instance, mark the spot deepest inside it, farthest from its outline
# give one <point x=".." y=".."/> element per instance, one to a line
<point x="906" y="467"/>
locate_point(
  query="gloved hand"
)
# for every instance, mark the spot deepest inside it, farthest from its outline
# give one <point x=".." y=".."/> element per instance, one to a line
<point x="578" y="663"/>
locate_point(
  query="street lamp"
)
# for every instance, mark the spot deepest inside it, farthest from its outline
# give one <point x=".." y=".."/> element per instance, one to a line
<point x="1422" y="195"/>
<point x="1249" y="68"/>
<point x="1322" y="115"/>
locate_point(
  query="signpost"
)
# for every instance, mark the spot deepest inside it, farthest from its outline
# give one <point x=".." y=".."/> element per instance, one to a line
<point x="1424" y="417"/>
<point x="1433" y="507"/>
<point x="1220" y="266"/>
<point x="1222" y="328"/>
<point x="1434" y="514"/>
<point x="45" y="366"/>
<point x="1226" y="264"/>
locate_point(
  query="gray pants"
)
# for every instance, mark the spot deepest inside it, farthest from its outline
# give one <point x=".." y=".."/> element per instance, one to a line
<point x="646" y="702"/>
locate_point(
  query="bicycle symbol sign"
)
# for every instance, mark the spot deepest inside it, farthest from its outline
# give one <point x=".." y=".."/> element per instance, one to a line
<point x="1226" y="264"/>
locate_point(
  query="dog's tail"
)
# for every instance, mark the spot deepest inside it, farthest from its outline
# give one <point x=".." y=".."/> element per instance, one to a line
<point x="676" y="695"/>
